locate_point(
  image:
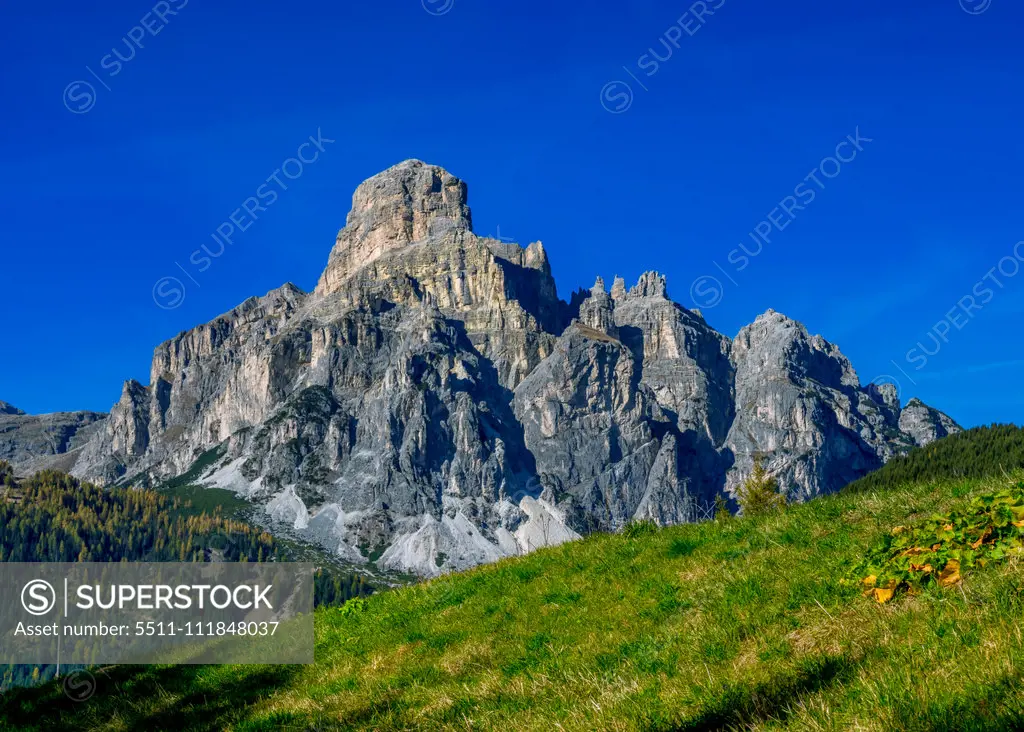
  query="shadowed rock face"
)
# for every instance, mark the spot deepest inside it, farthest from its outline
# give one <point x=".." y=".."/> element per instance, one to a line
<point x="799" y="402"/>
<point x="925" y="424"/>
<point x="433" y="403"/>
<point x="31" y="442"/>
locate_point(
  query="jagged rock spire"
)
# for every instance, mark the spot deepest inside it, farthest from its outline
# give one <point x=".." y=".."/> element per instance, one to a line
<point x="596" y="310"/>
<point x="650" y="284"/>
<point x="406" y="203"/>
<point x="885" y="394"/>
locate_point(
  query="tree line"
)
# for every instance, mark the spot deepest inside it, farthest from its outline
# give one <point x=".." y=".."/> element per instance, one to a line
<point x="54" y="517"/>
<point x="980" y="452"/>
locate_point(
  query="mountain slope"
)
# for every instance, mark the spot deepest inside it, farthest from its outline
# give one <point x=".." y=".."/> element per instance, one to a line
<point x="981" y="452"/>
<point x="31" y="442"/>
<point x="433" y="404"/>
<point x="753" y="623"/>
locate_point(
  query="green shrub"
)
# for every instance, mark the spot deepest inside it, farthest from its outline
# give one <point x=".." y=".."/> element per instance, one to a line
<point x="937" y="550"/>
<point x="353" y="606"/>
<point x="759" y="494"/>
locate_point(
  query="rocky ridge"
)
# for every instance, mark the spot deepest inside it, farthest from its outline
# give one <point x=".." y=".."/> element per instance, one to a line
<point x="433" y="404"/>
<point x="31" y="442"/>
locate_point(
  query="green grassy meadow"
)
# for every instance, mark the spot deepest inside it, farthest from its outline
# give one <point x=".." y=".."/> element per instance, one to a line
<point x="744" y="623"/>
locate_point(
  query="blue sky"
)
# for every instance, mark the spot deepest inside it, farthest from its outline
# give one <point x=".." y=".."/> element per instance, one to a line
<point x="105" y="194"/>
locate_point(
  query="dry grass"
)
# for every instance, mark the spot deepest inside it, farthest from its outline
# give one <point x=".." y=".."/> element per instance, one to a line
<point x="746" y="623"/>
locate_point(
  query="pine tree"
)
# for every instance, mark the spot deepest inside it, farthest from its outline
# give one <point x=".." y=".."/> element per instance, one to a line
<point x="759" y="493"/>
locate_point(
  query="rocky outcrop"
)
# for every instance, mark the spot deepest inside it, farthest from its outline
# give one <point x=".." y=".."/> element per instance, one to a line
<point x="686" y="365"/>
<point x="924" y="424"/>
<point x="408" y="203"/>
<point x="592" y="428"/>
<point x="799" y="404"/>
<point x="596" y="311"/>
<point x="433" y="404"/>
<point x="31" y="442"/>
<point x="685" y="362"/>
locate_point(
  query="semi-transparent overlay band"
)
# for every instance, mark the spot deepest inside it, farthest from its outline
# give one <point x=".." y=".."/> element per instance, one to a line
<point x="94" y="612"/>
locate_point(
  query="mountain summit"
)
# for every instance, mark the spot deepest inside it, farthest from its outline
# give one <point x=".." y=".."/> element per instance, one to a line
<point x="435" y="405"/>
<point x="407" y="203"/>
<point x="6" y="408"/>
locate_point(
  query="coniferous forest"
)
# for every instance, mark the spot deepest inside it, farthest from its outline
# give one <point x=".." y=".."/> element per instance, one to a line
<point x="980" y="452"/>
<point x="53" y="517"/>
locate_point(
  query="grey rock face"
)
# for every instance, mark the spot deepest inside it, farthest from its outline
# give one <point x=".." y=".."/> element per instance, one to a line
<point x="799" y="403"/>
<point x="687" y="366"/>
<point x="924" y="424"/>
<point x="685" y="362"/>
<point x="596" y="311"/>
<point x="433" y="404"/>
<point x="36" y="442"/>
<point x="404" y="204"/>
<point x="591" y="427"/>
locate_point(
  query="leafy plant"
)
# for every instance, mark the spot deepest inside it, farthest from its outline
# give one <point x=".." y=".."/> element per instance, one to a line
<point x="353" y="606"/>
<point x="938" y="550"/>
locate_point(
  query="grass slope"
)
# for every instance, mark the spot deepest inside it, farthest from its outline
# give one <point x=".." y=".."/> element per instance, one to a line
<point x="746" y="623"/>
<point x="979" y="452"/>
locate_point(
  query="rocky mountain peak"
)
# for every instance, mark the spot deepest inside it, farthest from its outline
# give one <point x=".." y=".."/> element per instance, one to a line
<point x="925" y="424"/>
<point x="407" y="203"/>
<point x="596" y="310"/>
<point x="776" y="342"/>
<point x="428" y="399"/>
<point x="31" y="442"/>
<point x="536" y="257"/>
<point x="885" y="394"/>
<point x="770" y="330"/>
<point x="650" y="284"/>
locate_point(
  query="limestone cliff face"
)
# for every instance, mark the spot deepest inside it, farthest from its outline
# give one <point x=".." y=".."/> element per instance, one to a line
<point x="407" y="203"/>
<point x="800" y="404"/>
<point x="591" y="426"/>
<point x="31" y="442"/>
<point x="433" y="403"/>
<point x="924" y="424"/>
